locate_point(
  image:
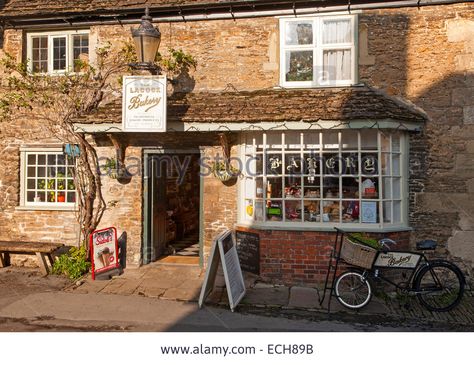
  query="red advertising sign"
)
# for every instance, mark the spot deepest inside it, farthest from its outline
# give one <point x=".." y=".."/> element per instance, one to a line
<point x="104" y="250"/>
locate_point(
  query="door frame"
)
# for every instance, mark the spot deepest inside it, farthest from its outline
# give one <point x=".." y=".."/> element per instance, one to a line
<point x="146" y="223"/>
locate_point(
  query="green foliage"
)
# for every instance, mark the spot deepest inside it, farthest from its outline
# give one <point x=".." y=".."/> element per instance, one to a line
<point x="365" y="240"/>
<point x="73" y="264"/>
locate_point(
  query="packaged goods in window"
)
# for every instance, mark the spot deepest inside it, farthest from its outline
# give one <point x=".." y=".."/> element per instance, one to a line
<point x="350" y="211"/>
<point x="311" y="209"/>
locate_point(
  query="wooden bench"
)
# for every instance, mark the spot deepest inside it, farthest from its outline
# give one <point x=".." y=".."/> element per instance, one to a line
<point x="42" y="250"/>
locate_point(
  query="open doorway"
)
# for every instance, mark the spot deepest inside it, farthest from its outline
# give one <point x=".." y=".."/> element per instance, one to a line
<point x="172" y="208"/>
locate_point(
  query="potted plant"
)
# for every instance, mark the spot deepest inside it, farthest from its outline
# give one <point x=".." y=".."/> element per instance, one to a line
<point x="224" y="171"/>
<point x="111" y="167"/>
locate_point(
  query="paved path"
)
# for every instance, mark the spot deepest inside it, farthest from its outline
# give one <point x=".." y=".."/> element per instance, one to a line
<point x="164" y="298"/>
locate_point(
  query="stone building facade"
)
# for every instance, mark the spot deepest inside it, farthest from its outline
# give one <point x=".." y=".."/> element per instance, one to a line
<point x="413" y="76"/>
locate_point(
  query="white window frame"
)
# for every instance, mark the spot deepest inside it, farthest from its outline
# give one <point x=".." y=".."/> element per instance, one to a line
<point x="24" y="152"/>
<point x="244" y="219"/>
<point x="51" y="35"/>
<point x="318" y="50"/>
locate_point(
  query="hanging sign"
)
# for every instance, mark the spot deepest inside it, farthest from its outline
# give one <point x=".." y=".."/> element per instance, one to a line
<point x="144" y="104"/>
<point x="103" y="250"/>
<point x="224" y="250"/>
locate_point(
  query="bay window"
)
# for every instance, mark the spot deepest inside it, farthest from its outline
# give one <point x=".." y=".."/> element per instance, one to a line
<point x="322" y="179"/>
<point x="318" y="51"/>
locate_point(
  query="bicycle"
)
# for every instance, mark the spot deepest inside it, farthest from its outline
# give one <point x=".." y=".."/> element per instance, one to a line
<point x="438" y="284"/>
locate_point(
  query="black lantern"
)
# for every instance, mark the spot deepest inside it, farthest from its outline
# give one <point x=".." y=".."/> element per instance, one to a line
<point x="147" y="40"/>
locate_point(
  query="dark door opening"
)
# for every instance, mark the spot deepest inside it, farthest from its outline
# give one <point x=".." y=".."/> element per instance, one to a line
<point x="172" y="208"/>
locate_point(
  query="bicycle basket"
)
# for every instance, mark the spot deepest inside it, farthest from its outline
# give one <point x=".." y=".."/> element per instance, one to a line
<point x="357" y="254"/>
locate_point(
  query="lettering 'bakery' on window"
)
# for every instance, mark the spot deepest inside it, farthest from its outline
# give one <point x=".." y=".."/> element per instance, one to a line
<point x="317" y="51"/>
<point x="324" y="178"/>
<point x="57" y="52"/>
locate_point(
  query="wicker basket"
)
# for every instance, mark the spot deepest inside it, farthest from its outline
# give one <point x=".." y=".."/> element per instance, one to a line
<point x="357" y="254"/>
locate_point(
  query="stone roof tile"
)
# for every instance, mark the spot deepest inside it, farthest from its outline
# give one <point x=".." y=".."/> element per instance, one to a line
<point x="276" y="105"/>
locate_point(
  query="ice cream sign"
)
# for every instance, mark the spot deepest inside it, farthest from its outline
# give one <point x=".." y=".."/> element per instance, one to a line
<point x="103" y="250"/>
<point x="144" y="104"/>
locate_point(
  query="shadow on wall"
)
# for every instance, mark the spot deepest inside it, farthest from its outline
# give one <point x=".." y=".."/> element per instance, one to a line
<point x="442" y="181"/>
<point x="122" y="245"/>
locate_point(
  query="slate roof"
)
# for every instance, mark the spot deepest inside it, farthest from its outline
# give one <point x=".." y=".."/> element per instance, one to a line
<point x="276" y="105"/>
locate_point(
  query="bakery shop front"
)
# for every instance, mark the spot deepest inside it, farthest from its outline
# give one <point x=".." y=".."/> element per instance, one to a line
<point x="322" y="159"/>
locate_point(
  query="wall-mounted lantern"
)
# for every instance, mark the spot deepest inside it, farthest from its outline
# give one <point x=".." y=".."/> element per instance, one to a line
<point x="147" y="40"/>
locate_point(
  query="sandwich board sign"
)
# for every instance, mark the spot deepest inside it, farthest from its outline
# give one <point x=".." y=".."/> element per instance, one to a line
<point x="104" y="251"/>
<point x="224" y="250"/>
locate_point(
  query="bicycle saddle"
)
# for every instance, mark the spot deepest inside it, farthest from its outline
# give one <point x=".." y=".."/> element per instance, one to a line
<point x="426" y="245"/>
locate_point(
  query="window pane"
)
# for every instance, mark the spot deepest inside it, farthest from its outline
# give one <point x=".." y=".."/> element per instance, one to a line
<point x="259" y="187"/>
<point x="385" y="141"/>
<point x="80" y="49"/>
<point x="274" y="187"/>
<point x="70" y="184"/>
<point x="395" y="143"/>
<point x="331" y="187"/>
<point x="350" y="164"/>
<point x="30" y="196"/>
<point x="385" y="164"/>
<point x="259" y="211"/>
<point x="396" y="188"/>
<point x="369" y="212"/>
<point x="331" y="211"/>
<point x="274" y="211"/>
<point x="312" y="187"/>
<point x="293" y="211"/>
<point x="368" y="139"/>
<point x="311" y="211"/>
<point x="293" y="164"/>
<point x="337" y="31"/>
<point x="387" y="188"/>
<point x="274" y="164"/>
<point x="387" y="212"/>
<point x="299" y="65"/>
<point x="293" y="141"/>
<point x="31" y="171"/>
<point x="31" y="159"/>
<point x="293" y="187"/>
<point x="396" y="164"/>
<point x="312" y="164"/>
<point x="397" y="212"/>
<point x="350" y="187"/>
<point x="337" y="65"/>
<point x="370" y="188"/>
<point x="39" y="56"/>
<point x="59" y="53"/>
<point x="350" y="140"/>
<point x="368" y="164"/>
<point x="332" y="163"/>
<point x="71" y="197"/>
<point x="297" y="33"/>
<point x="41" y="160"/>
<point x="350" y="211"/>
<point x="30" y="184"/>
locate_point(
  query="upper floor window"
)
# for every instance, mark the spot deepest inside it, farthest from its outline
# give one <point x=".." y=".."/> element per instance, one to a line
<point x="318" y="51"/>
<point x="57" y="52"/>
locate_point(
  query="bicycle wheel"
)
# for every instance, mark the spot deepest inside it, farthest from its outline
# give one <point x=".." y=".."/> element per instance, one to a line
<point x="439" y="286"/>
<point x="353" y="290"/>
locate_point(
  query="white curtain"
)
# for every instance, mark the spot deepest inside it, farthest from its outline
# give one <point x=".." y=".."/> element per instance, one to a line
<point x="337" y="64"/>
<point x="337" y="31"/>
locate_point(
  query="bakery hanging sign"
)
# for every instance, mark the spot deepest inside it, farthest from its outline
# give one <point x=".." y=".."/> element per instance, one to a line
<point x="144" y="104"/>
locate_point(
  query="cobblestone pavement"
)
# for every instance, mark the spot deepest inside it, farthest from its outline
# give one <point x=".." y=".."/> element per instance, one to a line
<point x="183" y="283"/>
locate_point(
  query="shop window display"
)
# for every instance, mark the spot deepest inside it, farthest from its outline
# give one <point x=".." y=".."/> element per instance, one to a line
<point x="324" y="178"/>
